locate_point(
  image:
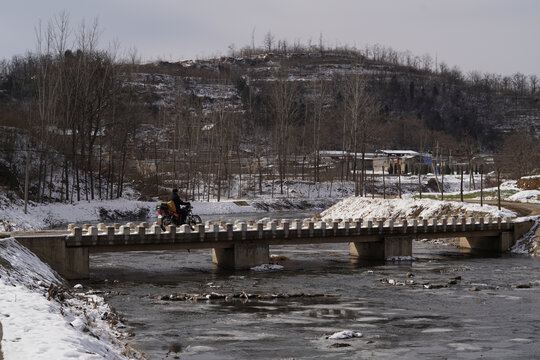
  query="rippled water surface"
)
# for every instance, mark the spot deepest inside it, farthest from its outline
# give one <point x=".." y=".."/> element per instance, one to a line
<point x="398" y="316"/>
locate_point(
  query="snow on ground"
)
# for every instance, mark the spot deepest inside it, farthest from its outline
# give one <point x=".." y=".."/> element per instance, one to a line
<point x="44" y="216"/>
<point x="367" y="208"/>
<point x="529" y="196"/>
<point x="43" y="321"/>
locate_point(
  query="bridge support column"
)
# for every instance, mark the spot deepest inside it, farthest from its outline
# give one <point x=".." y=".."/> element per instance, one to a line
<point x="70" y="263"/>
<point x="395" y="246"/>
<point x="241" y="256"/>
<point x="496" y="244"/>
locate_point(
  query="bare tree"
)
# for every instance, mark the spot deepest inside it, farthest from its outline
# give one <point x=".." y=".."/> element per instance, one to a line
<point x="361" y="109"/>
<point x="269" y="41"/>
<point x="283" y="95"/>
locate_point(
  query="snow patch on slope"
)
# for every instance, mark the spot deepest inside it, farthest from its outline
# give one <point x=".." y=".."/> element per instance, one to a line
<point x="361" y="207"/>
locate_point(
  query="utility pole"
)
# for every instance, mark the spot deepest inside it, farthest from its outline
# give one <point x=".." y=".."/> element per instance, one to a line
<point x="399" y="179"/>
<point x="373" y="182"/>
<point x="481" y="185"/>
<point x="26" y="178"/>
<point x="461" y="187"/>
<point x="383" y="184"/>
<point x="499" y="188"/>
<point x="420" y="179"/>
<point x="441" y="167"/>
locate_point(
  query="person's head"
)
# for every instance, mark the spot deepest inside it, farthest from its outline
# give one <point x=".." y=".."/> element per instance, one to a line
<point x="175" y="191"/>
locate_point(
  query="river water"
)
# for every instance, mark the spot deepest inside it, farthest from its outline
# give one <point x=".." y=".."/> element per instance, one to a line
<point x="444" y="304"/>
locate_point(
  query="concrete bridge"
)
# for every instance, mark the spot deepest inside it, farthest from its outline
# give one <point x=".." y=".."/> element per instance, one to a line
<point x="246" y="244"/>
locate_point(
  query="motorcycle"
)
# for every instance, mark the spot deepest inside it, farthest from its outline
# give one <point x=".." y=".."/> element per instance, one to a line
<point x="167" y="217"/>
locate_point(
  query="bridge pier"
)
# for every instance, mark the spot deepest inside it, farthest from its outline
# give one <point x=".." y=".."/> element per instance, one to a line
<point x="394" y="246"/>
<point x="496" y="244"/>
<point x="241" y="256"/>
<point x="72" y="263"/>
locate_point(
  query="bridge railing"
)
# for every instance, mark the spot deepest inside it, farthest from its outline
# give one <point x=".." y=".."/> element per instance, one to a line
<point x="131" y="234"/>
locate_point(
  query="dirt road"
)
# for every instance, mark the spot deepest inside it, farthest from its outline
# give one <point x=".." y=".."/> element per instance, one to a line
<point x="522" y="209"/>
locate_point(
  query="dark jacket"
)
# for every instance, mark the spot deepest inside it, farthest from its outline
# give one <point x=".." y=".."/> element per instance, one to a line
<point x="177" y="201"/>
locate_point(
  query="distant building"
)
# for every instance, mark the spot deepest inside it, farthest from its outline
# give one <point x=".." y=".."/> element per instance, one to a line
<point x="400" y="160"/>
<point x="335" y="156"/>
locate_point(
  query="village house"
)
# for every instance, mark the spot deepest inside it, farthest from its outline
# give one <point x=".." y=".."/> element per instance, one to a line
<point x="403" y="161"/>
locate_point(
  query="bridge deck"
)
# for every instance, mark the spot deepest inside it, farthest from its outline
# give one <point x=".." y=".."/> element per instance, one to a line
<point x="277" y="233"/>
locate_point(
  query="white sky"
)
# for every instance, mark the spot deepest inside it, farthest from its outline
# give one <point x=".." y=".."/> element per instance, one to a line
<point x="487" y="35"/>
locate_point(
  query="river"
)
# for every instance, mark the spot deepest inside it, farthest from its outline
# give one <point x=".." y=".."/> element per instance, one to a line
<point x="444" y="304"/>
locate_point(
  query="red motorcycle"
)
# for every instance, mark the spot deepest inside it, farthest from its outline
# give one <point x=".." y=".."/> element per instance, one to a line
<point x="167" y="217"/>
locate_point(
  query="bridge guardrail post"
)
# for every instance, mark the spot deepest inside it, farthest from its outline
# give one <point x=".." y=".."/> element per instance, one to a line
<point x="243" y="229"/>
<point x="77" y="234"/>
<point x="415" y="225"/>
<point x="359" y="226"/>
<point x="404" y="224"/>
<point x="141" y="231"/>
<point x="273" y="228"/>
<point x="425" y="225"/>
<point x="230" y="234"/>
<point x="322" y="226"/>
<point x="508" y="222"/>
<point x="92" y="233"/>
<point x="185" y="229"/>
<point x="473" y="222"/>
<point x="216" y="231"/>
<point x="391" y="226"/>
<point x="311" y="228"/>
<point x="463" y="223"/>
<point x="347" y="227"/>
<point x="499" y="222"/>
<point x="156" y="230"/>
<point x="434" y="222"/>
<point x="299" y="227"/>
<point x="381" y="225"/>
<point x="490" y="221"/>
<point x="444" y="223"/>
<point x="125" y="231"/>
<point x="369" y="226"/>
<point x="286" y="228"/>
<point x="171" y="229"/>
<point x="202" y="232"/>
<point x="110" y="234"/>
<point x="335" y="227"/>
<point x="481" y="223"/>
<point x="260" y="230"/>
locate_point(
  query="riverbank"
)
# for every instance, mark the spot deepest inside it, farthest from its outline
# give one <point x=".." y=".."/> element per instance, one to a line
<point x="43" y="319"/>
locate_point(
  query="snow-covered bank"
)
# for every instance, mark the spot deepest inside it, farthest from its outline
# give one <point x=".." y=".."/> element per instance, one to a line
<point x="529" y="242"/>
<point x="43" y="216"/>
<point x="41" y="320"/>
<point x="367" y="208"/>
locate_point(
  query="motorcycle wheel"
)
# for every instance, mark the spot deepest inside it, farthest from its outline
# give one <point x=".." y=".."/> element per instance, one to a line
<point x="197" y="219"/>
<point x="166" y="221"/>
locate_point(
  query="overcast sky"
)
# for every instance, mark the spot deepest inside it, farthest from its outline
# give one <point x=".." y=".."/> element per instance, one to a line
<point x="499" y="36"/>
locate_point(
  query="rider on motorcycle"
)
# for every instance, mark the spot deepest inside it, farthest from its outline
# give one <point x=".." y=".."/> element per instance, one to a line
<point x="181" y="211"/>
